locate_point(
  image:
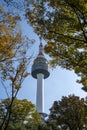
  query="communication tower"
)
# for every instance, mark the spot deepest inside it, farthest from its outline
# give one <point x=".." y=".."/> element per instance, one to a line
<point x="40" y="72"/>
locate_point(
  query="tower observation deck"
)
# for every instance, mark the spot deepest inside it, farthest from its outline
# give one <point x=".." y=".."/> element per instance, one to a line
<point x="40" y="71"/>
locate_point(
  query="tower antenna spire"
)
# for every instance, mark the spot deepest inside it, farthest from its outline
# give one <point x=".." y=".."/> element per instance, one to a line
<point x="41" y="49"/>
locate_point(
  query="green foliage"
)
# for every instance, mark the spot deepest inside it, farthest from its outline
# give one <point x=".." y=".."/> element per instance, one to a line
<point x="37" y="126"/>
<point x="63" y="23"/>
<point x="69" y="113"/>
<point x="21" y="111"/>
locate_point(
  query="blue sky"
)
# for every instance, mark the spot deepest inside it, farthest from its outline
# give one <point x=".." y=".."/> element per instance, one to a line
<point x="60" y="83"/>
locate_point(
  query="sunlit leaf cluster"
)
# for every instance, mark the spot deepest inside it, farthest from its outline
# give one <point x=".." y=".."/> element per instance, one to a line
<point x="22" y="111"/>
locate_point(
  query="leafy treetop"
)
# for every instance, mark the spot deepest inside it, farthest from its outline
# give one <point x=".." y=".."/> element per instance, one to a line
<point x="63" y="24"/>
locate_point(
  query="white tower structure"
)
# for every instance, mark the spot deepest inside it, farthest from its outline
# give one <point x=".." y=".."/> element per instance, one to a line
<point x="40" y="72"/>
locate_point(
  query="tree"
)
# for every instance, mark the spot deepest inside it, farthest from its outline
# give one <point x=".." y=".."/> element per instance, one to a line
<point x="16" y="77"/>
<point x="22" y="111"/>
<point x="37" y="126"/>
<point x="10" y="35"/>
<point x="63" y="23"/>
<point x="69" y="113"/>
<point x="23" y="115"/>
<point x="13" y="45"/>
<point x="13" y="59"/>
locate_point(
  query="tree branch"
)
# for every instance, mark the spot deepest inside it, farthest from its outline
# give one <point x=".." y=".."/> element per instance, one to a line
<point x="75" y="9"/>
<point x="66" y="36"/>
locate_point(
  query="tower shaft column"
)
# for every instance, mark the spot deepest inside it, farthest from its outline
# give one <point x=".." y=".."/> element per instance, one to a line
<point x="40" y="93"/>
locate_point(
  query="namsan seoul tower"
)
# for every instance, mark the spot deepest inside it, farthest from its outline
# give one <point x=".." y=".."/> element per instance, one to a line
<point x="40" y="72"/>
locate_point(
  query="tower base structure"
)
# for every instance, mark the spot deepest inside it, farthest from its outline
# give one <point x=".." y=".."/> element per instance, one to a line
<point x="43" y="117"/>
